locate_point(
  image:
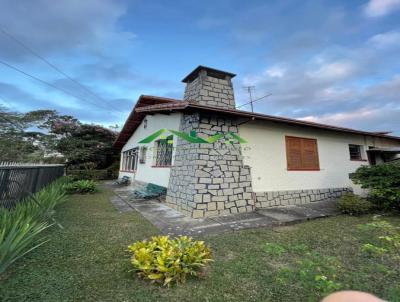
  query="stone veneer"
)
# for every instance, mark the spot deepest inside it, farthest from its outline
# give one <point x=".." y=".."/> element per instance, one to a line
<point x="209" y="179"/>
<point x="211" y="91"/>
<point x="295" y="197"/>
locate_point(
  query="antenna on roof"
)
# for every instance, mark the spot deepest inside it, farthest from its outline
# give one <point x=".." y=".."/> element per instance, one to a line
<point x="250" y="89"/>
<point x="253" y="101"/>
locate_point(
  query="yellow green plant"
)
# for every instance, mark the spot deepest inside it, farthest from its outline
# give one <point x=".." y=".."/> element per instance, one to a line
<point x="167" y="261"/>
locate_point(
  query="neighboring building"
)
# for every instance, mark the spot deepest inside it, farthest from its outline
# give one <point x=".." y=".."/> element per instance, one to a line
<point x="284" y="161"/>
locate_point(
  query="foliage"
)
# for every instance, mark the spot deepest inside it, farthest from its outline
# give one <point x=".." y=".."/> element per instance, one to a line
<point x="19" y="138"/>
<point x="274" y="249"/>
<point x="81" y="187"/>
<point x="354" y="205"/>
<point x="314" y="271"/>
<point x="91" y="252"/>
<point x="169" y="261"/>
<point x="20" y="227"/>
<point x="384" y="236"/>
<point x="18" y="236"/>
<point x="383" y="182"/>
<point x="45" y="135"/>
<point x="93" y="174"/>
<point x="88" y="146"/>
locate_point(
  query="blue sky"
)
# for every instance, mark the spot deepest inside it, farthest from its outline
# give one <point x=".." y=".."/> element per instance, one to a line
<point x="335" y="62"/>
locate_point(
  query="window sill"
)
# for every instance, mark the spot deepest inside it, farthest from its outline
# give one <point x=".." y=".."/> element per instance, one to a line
<point x="358" y="160"/>
<point x="128" y="171"/>
<point x="304" y="169"/>
<point x="167" y="166"/>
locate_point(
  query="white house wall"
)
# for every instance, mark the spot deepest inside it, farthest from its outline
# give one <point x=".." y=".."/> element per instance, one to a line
<point x="146" y="172"/>
<point x="266" y="155"/>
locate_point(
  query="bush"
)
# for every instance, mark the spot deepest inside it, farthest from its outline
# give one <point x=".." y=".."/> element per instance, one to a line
<point x="383" y="181"/>
<point x="167" y="261"/>
<point x="105" y="174"/>
<point x="81" y="187"/>
<point x="354" y="205"/>
<point x="20" y="227"/>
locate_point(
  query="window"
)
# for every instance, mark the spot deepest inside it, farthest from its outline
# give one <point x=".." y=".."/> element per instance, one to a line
<point x="163" y="154"/>
<point x="142" y="154"/>
<point x="355" y="152"/>
<point x="301" y="153"/>
<point x="129" y="160"/>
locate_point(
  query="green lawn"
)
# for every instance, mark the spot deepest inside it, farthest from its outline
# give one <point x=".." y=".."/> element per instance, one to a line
<point x="87" y="261"/>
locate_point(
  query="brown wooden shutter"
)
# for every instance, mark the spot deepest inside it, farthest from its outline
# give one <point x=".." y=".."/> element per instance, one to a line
<point x="301" y="153"/>
<point x="309" y="154"/>
<point x="293" y="152"/>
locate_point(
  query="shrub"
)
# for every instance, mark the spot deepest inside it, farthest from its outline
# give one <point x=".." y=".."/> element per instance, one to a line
<point x="383" y="182"/>
<point x="20" y="227"/>
<point x="354" y="205"/>
<point x="167" y="261"/>
<point x="18" y="236"/>
<point x="81" y="187"/>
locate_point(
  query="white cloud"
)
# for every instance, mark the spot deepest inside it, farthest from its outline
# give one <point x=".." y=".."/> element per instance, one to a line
<point x="379" y="8"/>
<point x="53" y="27"/>
<point x="332" y="71"/>
<point x="275" y="71"/>
<point x="342" y="117"/>
<point x="387" y="39"/>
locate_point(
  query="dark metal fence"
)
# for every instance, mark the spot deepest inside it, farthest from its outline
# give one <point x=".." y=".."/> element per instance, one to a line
<point x="18" y="180"/>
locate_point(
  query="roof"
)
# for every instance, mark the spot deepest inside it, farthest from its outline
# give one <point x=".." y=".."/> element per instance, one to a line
<point x="219" y="74"/>
<point x="151" y="104"/>
<point x="135" y="117"/>
<point x="385" y="150"/>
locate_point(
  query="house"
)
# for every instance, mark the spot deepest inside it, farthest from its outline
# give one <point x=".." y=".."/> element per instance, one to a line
<point x="216" y="160"/>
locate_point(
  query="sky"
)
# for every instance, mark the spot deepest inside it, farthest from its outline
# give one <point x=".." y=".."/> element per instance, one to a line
<point x="334" y="62"/>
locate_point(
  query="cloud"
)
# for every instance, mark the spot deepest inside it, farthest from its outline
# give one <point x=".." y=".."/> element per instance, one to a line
<point x="275" y="71"/>
<point x="333" y="71"/>
<point x="386" y="39"/>
<point x="52" y="27"/>
<point x="379" y="8"/>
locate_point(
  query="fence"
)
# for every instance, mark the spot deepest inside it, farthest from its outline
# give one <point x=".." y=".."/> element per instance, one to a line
<point x="18" y="180"/>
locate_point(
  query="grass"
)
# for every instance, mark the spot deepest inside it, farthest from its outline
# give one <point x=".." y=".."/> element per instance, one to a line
<point x="87" y="261"/>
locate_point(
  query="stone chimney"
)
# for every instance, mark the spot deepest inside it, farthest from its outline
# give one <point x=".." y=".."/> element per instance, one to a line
<point x="209" y="179"/>
<point x="210" y="87"/>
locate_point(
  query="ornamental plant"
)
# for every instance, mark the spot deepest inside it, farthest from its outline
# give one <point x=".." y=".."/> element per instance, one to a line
<point x="354" y="205"/>
<point x="81" y="187"/>
<point x="21" y="227"/>
<point x="167" y="261"/>
<point x="383" y="181"/>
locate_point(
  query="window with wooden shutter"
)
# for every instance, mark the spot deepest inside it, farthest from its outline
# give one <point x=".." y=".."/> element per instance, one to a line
<point x="301" y="153"/>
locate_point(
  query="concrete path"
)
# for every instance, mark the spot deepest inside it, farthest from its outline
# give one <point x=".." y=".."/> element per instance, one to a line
<point x="172" y="222"/>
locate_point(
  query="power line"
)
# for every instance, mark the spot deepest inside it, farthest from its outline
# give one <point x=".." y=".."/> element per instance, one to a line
<point x="251" y="102"/>
<point x="49" y="84"/>
<point x="36" y="54"/>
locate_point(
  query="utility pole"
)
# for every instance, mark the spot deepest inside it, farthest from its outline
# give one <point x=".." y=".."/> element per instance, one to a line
<point x="250" y="89"/>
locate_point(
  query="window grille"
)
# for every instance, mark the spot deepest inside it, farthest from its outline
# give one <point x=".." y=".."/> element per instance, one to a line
<point x="129" y="159"/>
<point x="163" y="154"/>
<point x="355" y="152"/>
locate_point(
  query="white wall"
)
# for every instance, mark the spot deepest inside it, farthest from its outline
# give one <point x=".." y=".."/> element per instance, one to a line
<point x="146" y="172"/>
<point x="267" y="157"/>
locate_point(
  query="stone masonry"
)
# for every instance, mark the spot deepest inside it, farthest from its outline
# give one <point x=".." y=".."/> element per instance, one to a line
<point x="211" y="91"/>
<point x="209" y="179"/>
<point x="295" y="197"/>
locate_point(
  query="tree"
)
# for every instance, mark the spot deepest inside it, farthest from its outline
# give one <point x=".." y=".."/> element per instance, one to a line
<point x="88" y="146"/>
<point x="45" y="135"/>
<point x="19" y="139"/>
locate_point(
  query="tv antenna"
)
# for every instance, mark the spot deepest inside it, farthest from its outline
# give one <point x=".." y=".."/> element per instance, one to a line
<point x="250" y="89"/>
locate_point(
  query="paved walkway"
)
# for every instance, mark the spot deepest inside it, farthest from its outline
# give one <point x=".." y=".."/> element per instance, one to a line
<point x="172" y="222"/>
